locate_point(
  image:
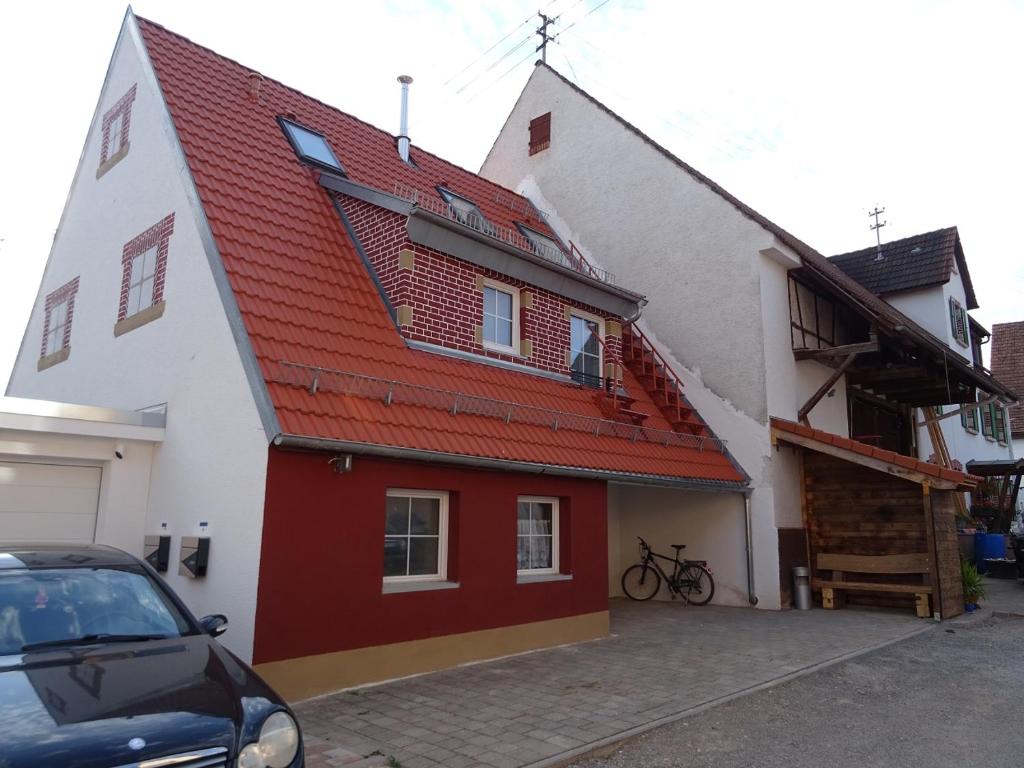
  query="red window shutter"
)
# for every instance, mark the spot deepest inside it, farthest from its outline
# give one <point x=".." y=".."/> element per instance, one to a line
<point x="540" y="133"/>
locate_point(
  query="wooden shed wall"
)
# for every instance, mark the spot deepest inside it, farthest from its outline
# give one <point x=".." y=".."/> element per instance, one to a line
<point x="854" y="510"/>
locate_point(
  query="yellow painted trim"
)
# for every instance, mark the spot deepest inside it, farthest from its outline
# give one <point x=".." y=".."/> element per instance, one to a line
<point x="525" y="347"/>
<point x="147" y="315"/>
<point x="613" y="328"/>
<point x="526" y="299"/>
<point x="404" y="314"/>
<point x="307" y="676"/>
<point x="50" y="360"/>
<point x="480" y="283"/>
<point x="406" y="259"/>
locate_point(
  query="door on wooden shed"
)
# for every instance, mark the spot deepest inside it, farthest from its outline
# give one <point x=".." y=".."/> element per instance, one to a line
<point x="48" y="503"/>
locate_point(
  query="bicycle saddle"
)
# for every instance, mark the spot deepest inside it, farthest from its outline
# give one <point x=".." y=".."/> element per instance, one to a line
<point x="678" y="546"/>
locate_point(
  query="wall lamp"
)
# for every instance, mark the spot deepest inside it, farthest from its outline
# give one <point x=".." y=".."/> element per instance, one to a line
<point x="341" y="463"/>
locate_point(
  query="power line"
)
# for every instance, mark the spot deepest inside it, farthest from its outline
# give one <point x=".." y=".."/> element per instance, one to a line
<point x="502" y="76"/>
<point x="483" y="55"/>
<point x="581" y="18"/>
<point x="496" y="62"/>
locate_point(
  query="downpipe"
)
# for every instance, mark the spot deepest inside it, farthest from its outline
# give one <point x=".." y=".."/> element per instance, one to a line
<point x="751" y="592"/>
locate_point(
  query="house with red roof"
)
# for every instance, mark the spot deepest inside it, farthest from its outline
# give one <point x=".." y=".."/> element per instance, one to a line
<point x="405" y="418"/>
<point x="761" y="327"/>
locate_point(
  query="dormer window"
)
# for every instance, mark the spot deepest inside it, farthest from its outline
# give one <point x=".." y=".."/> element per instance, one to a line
<point x="114" y="138"/>
<point x="465" y="211"/>
<point x="544" y="246"/>
<point x="310" y="146"/>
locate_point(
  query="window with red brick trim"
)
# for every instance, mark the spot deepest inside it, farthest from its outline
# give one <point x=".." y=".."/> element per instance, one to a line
<point x="116" y="124"/>
<point x="540" y="133"/>
<point x="144" y="269"/>
<point x="59" y="311"/>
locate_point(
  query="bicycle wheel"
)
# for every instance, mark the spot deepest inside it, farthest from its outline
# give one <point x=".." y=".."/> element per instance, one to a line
<point x="697" y="586"/>
<point x="641" y="582"/>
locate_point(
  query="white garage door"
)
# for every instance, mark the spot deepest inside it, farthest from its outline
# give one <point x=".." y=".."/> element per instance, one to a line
<point x="48" y="503"/>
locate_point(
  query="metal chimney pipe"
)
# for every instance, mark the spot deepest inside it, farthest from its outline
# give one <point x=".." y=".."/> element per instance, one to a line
<point x="403" y="129"/>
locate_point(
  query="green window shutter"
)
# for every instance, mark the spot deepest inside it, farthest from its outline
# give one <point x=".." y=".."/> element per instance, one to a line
<point x="963" y="418"/>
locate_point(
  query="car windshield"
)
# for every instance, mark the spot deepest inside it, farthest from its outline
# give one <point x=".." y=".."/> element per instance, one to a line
<point x="48" y="608"/>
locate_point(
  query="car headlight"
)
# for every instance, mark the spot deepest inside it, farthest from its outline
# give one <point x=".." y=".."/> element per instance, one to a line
<point x="277" y="745"/>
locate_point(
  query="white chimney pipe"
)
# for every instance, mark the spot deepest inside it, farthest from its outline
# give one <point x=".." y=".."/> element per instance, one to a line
<point x="403" y="129"/>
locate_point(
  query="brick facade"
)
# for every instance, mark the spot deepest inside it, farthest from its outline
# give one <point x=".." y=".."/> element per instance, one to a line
<point x="441" y="300"/>
<point x="159" y="234"/>
<point x="66" y="292"/>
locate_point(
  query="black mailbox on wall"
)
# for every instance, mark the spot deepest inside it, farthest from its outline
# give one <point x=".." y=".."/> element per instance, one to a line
<point x="195" y="553"/>
<point x="157" y="552"/>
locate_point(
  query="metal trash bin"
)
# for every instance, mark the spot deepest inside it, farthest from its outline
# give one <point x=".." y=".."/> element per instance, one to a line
<point x="802" y="588"/>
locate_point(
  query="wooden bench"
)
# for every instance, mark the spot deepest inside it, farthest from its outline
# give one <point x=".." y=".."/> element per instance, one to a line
<point x="841" y="565"/>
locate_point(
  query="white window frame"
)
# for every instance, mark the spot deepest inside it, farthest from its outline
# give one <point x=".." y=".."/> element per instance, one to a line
<point x="442" y="531"/>
<point x="56" y="331"/>
<point x="556" y="542"/>
<point x="491" y="345"/>
<point x="573" y="312"/>
<point x="115" y="134"/>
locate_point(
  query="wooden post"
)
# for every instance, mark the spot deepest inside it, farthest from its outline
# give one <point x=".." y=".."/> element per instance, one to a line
<point x="923" y="609"/>
<point x="933" y="555"/>
<point x="829" y="383"/>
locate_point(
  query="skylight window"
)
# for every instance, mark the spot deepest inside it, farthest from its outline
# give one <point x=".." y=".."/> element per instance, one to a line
<point x="310" y="146"/>
<point x="466" y="212"/>
<point x="544" y="246"/>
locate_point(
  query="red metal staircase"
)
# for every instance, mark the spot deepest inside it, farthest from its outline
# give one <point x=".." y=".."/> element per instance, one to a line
<point x="660" y="382"/>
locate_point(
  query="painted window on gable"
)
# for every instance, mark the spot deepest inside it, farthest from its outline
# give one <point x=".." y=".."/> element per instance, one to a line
<point x="415" y="535"/>
<point x="115" y="126"/>
<point x="58" y="312"/>
<point x="501" y="317"/>
<point x="540" y="133"/>
<point x="958" y="322"/>
<point x="537" y="541"/>
<point x="585" y="348"/>
<point x="143" y="274"/>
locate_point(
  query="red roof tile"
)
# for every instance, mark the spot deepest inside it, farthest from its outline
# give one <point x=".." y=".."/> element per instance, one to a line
<point x="306" y="297"/>
<point x="966" y="481"/>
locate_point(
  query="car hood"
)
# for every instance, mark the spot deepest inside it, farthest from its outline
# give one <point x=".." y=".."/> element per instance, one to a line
<point x="80" y="707"/>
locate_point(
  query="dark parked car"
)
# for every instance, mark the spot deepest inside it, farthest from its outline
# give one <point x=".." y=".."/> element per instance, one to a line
<point x="101" y="665"/>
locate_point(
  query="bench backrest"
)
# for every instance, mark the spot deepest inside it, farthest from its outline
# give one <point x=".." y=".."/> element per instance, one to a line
<point x="912" y="563"/>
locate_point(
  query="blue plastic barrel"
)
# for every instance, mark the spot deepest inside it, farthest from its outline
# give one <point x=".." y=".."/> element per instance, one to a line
<point x="988" y="546"/>
<point x="979" y="550"/>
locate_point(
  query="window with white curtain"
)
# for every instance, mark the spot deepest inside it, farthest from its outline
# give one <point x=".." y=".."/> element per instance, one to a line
<point x="537" y="540"/>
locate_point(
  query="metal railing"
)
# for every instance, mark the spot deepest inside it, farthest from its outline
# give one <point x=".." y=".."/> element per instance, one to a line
<point x="315" y="379"/>
<point x="653" y="364"/>
<point x="573" y="260"/>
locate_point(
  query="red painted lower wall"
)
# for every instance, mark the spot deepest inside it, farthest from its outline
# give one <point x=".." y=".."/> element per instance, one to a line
<point x="322" y="557"/>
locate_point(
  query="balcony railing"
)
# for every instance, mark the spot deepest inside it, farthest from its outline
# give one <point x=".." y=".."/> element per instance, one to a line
<point x="573" y="260"/>
<point x="388" y="391"/>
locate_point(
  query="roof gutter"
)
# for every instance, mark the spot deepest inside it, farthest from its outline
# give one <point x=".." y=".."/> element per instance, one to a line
<point x="479" y="462"/>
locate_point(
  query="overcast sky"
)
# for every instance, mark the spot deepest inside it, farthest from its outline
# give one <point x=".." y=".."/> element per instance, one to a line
<point x="810" y="112"/>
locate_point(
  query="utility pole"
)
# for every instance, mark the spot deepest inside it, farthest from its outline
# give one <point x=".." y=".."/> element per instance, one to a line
<point x="545" y="38"/>
<point x="878" y="229"/>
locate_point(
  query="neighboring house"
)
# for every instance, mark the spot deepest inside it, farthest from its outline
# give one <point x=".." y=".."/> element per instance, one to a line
<point x="926" y="277"/>
<point x="409" y="422"/>
<point x="1008" y="364"/>
<point x="759" y="324"/>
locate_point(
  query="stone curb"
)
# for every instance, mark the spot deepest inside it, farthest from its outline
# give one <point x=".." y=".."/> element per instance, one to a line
<point x="610" y="742"/>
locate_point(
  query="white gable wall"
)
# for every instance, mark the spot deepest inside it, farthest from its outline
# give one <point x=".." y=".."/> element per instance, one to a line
<point x="719" y="308"/>
<point x="212" y="465"/>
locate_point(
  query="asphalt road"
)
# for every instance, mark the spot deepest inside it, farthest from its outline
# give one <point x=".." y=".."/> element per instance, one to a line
<point x="950" y="697"/>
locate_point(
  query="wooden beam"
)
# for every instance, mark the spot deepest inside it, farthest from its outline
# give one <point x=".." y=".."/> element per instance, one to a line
<point x="883" y="374"/>
<point x="957" y="412"/>
<point x="829" y="383"/>
<point x="870" y="462"/>
<point x="933" y="552"/>
<point x="830" y="352"/>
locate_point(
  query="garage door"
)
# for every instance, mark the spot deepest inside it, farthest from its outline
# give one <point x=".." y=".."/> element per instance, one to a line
<point x="45" y="503"/>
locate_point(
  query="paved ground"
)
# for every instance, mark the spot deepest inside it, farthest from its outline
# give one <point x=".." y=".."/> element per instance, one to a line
<point x="664" y="659"/>
<point x="947" y="698"/>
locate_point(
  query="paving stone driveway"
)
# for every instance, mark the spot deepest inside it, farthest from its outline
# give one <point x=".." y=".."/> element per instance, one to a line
<point x="663" y="659"/>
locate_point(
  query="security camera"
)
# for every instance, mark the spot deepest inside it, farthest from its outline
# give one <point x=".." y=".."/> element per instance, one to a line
<point x="119" y="450"/>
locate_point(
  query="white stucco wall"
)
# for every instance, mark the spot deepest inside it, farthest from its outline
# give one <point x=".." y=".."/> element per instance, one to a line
<point x="963" y="445"/>
<point x="929" y="307"/>
<point x="711" y="525"/>
<point x="212" y="465"/>
<point x="719" y="306"/>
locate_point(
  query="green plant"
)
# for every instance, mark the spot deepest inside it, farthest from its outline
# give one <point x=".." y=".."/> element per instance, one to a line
<point x="975" y="588"/>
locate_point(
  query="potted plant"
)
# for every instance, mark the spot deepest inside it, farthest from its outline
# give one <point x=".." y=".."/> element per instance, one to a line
<point x="974" y="585"/>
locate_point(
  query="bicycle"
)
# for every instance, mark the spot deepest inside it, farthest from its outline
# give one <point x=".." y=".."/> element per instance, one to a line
<point x="690" y="579"/>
